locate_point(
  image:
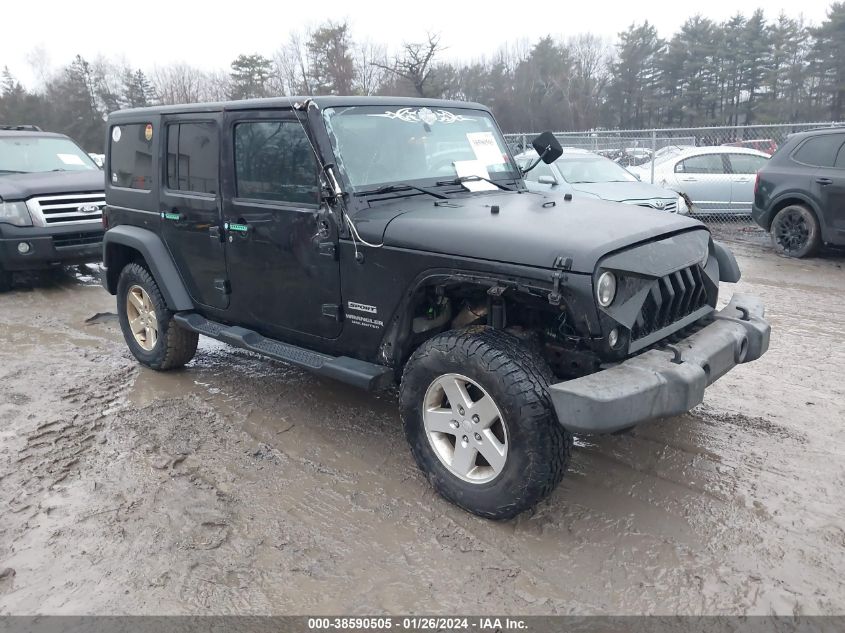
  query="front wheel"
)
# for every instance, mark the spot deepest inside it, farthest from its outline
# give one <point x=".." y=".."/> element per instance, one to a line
<point x="795" y="231"/>
<point x="147" y="324"/>
<point x="480" y="423"/>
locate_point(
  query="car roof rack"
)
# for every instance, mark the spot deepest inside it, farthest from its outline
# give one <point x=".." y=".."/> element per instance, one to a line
<point x="21" y="128"/>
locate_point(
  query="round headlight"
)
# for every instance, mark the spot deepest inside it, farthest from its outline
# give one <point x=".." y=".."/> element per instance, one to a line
<point x="606" y="289"/>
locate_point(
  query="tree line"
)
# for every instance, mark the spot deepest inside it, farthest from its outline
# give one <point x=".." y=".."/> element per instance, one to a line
<point x="745" y="70"/>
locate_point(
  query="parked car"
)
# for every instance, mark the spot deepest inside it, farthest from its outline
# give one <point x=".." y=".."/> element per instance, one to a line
<point x="580" y="172"/>
<point x="800" y="194"/>
<point x="381" y="240"/>
<point x="718" y="180"/>
<point x="766" y="145"/>
<point x="51" y="200"/>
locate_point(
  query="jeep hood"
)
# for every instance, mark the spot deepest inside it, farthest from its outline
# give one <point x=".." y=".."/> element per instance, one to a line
<point x="24" y="186"/>
<point x="524" y="231"/>
<point x="620" y="191"/>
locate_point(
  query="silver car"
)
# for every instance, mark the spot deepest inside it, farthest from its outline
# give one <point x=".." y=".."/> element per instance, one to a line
<point x="718" y="180"/>
<point x="582" y="172"/>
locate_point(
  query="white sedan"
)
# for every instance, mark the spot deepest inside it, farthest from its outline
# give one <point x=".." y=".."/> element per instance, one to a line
<point x="718" y="180"/>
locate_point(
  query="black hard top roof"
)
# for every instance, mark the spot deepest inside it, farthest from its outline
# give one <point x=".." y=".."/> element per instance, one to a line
<point x="287" y="102"/>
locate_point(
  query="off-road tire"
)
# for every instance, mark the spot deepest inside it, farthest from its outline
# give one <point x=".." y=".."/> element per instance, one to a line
<point x="792" y="213"/>
<point x="175" y="346"/>
<point x="517" y="379"/>
<point x="5" y="280"/>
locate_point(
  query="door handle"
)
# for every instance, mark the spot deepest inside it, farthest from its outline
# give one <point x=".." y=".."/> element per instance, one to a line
<point x="824" y="181"/>
<point x="690" y="179"/>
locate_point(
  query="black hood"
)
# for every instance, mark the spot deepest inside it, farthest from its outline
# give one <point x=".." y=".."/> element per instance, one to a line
<point x="24" y="186"/>
<point x="522" y="232"/>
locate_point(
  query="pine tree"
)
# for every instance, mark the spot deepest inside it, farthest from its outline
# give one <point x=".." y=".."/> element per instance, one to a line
<point x="249" y="76"/>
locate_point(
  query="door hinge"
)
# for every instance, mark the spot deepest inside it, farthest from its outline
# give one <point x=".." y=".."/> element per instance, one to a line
<point x="223" y="286"/>
<point x="333" y="311"/>
<point x="328" y="249"/>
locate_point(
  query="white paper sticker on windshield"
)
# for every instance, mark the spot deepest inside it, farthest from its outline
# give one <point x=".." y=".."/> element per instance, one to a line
<point x="70" y="159"/>
<point x="474" y="168"/>
<point x="486" y="148"/>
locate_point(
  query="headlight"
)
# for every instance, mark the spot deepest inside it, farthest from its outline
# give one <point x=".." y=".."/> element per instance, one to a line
<point x="15" y="213"/>
<point x="683" y="209"/>
<point x="606" y="289"/>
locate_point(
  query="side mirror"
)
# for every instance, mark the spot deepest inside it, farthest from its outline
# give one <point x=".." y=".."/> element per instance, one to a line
<point x="547" y="147"/>
<point x="547" y="180"/>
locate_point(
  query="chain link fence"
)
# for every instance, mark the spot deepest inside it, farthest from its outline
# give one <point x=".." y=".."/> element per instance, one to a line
<point x="714" y="168"/>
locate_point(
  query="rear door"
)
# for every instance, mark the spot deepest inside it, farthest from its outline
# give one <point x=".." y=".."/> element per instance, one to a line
<point x="190" y="206"/>
<point x="281" y="239"/>
<point x="829" y="187"/>
<point x="705" y="180"/>
<point x="743" y="170"/>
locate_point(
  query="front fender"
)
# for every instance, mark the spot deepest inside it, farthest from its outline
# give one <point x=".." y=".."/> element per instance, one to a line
<point x="157" y="258"/>
<point x="728" y="268"/>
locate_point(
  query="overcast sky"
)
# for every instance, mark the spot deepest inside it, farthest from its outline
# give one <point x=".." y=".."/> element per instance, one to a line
<point x="211" y="34"/>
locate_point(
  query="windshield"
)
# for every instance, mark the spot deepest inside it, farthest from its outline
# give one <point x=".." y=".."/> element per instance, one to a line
<point x="583" y="168"/>
<point x="382" y="145"/>
<point x="28" y="154"/>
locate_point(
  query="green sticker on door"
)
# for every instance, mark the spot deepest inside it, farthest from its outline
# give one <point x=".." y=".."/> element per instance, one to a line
<point x="172" y="216"/>
<point x="243" y="228"/>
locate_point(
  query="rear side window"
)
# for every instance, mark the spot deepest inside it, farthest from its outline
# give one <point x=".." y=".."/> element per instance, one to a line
<point x="131" y="156"/>
<point x="274" y="161"/>
<point x="819" y="151"/>
<point x="192" y="157"/>
<point x="703" y="164"/>
<point x="746" y="163"/>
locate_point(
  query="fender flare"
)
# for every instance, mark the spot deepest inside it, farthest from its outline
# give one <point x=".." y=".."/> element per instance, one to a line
<point x="728" y="268"/>
<point x="157" y="258"/>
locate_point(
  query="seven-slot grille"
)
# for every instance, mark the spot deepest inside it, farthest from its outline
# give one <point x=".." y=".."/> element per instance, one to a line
<point x="670" y="299"/>
<point x="68" y="208"/>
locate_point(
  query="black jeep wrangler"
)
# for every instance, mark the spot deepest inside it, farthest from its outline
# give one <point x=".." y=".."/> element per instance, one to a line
<point x="390" y="240"/>
<point x="51" y="200"/>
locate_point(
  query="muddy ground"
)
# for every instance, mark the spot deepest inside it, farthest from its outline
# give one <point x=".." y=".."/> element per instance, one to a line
<point x="240" y="485"/>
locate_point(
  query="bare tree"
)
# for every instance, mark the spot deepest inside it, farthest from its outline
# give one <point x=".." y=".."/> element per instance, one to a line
<point x="416" y="64"/>
<point x="181" y="83"/>
<point x="370" y="60"/>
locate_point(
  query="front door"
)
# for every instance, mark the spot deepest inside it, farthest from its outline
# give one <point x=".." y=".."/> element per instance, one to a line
<point x="281" y="239"/>
<point x="704" y="180"/>
<point x="190" y="206"/>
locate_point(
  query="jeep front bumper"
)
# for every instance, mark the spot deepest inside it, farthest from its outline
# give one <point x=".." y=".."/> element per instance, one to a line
<point x="664" y="382"/>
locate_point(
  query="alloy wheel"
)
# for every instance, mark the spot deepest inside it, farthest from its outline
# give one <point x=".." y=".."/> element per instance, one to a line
<point x="141" y="314"/>
<point x="465" y="428"/>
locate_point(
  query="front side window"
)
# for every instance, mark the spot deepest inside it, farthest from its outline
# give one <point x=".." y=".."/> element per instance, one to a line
<point x="746" y="163"/>
<point x="539" y="171"/>
<point x="131" y="156"/>
<point x="192" y="157"/>
<point x="819" y="151"/>
<point x="274" y="161"/>
<point x="28" y="154"/>
<point x="703" y="164"/>
<point x="380" y="145"/>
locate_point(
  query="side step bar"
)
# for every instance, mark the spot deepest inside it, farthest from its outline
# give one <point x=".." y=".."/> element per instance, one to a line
<point x="355" y="372"/>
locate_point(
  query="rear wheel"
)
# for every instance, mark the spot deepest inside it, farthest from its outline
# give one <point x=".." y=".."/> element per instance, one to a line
<point x="480" y="423"/>
<point x="147" y="324"/>
<point x="795" y="231"/>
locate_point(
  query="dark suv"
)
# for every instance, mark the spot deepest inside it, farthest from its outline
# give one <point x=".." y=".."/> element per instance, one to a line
<point x="51" y="200"/>
<point x="799" y="196"/>
<point x="387" y="240"/>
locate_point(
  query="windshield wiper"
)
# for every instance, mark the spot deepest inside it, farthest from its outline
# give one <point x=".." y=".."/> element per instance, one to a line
<point x="12" y="171"/>
<point x="399" y="188"/>
<point x="462" y="179"/>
